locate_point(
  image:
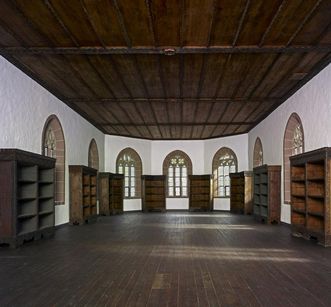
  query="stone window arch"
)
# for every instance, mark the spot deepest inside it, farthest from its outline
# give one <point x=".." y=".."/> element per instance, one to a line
<point x="177" y="165"/>
<point x="93" y="155"/>
<point x="258" y="153"/>
<point x="224" y="162"/>
<point x="293" y="144"/>
<point x="53" y="145"/>
<point x="129" y="163"/>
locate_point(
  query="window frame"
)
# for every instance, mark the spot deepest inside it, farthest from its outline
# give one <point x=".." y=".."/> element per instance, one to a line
<point x="137" y="164"/>
<point x="215" y="167"/>
<point x="257" y="148"/>
<point x="177" y="154"/>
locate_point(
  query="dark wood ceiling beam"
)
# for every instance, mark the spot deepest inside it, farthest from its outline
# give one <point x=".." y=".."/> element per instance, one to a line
<point x="151" y="22"/>
<point x="60" y="22"/>
<point x="177" y="124"/>
<point x="241" y="22"/>
<point x="280" y="8"/>
<point x="174" y="100"/>
<point x="122" y="24"/>
<point x="304" y="21"/>
<point x="151" y="50"/>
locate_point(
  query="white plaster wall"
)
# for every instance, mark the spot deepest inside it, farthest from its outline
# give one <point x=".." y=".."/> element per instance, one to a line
<point x="313" y="104"/>
<point x="239" y="145"/>
<point x="113" y="146"/>
<point x="24" y="108"/>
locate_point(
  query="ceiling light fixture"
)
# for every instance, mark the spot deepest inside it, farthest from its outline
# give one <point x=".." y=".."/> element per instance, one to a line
<point x="169" y="51"/>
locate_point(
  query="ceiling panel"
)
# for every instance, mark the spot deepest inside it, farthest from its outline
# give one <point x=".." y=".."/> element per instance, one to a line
<point x="188" y="69"/>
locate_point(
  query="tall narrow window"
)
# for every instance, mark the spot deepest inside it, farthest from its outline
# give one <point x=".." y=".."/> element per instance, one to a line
<point x="129" y="163"/>
<point x="177" y="166"/>
<point x="293" y="145"/>
<point x="53" y="145"/>
<point x="93" y="155"/>
<point x="224" y="163"/>
<point x="258" y="153"/>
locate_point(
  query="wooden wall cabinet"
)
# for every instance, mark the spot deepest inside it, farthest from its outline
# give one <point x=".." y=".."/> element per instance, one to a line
<point x="153" y="192"/>
<point x="26" y="196"/>
<point x="241" y="192"/>
<point x="267" y="198"/>
<point x="310" y="195"/>
<point x="83" y="194"/>
<point x="200" y="195"/>
<point x="111" y="191"/>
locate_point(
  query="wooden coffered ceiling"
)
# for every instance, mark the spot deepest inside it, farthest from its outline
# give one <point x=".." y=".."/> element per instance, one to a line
<point x="234" y="61"/>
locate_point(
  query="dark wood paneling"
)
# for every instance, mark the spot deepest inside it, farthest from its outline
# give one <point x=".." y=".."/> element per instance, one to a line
<point x="191" y="74"/>
<point x="258" y="17"/>
<point x="19" y="26"/>
<point x="316" y="25"/>
<point x="175" y="111"/>
<point x="214" y="65"/>
<point x="287" y="21"/>
<point x="197" y="131"/>
<point x="196" y="25"/>
<point x="135" y="17"/>
<point x="42" y="18"/>
<point x="170" y="71"/>
<point x="167" y="15"/>
<point x="75" y="20"/>
<point x="224" y="32"/>
<point x="161" y="111"/>
<point x="7" y="38"/>
<point x="102" y="14"/>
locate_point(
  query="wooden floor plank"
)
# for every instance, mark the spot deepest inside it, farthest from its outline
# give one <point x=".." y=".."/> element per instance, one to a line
<point x="168" y="259"/>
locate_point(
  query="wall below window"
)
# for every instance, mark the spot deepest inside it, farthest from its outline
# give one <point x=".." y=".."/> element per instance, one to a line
<point x="313" y="105"/>
<point x="25" y="106"/>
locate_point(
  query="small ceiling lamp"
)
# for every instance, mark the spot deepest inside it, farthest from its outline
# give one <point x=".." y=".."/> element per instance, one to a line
<point x="169" y="51"/>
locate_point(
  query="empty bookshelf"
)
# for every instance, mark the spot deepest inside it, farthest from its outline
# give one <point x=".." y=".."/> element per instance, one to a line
<point x="26" y="196"/>
<point x="83" y="194"/>
<point x="241" y="192"/>
<point x="310" y="195"/>
<point x="111" y="189"/>
<point x="153" y="193"/>
<point x="200" y="198"/>
<point x="266" y="206"/>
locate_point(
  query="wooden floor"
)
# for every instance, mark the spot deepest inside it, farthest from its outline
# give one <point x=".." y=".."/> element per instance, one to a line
<point x="173" y="259"/>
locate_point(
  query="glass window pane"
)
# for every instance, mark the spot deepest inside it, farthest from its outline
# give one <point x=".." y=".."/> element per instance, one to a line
<point x="120" y="169"/>
<point x="171" y="181"/>
<point x="221" y="191"/>
<point x="184" y="171"/>
<point x="227" y="180"/>
<point x="184" y="181"/>
<point x="177" y="171"/>
<point x="177" y="191"/>
<point x="227" y="191"/>
<point x="133" y="181"/>
<point x="177" y="182"/>
<point x="126" y="170"/>
<point x="184" y="191"/>
<point x="133" y="192"/>
<point x="232" y="169"/>
<point x="126" y="181"/>
<point x="171" y="191"/>
<point x="226" y="170"/>
<point x="132" y="171"/>
<point x="126" y="192"/>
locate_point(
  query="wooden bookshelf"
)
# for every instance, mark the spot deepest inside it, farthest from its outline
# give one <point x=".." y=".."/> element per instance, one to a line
<point x="266" y="204"/>
<point x="111" y="189"/>
<point x="200" y="196"/>
<point x="310" y="195"/>
<point x="153" y="192"/>
<point x="26" y="196"/>
<point x="83" y="194"/>
<point x="241" y="192"/>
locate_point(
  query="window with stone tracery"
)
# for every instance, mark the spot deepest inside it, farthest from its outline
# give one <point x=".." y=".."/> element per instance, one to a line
<point x="258" y="153"/>
<point x="53" y="145"/>
<point x="293" y="145"/>
<point x="224" y="163"/>
<point x="129" y="164"/>
<point x="177" y="166"/>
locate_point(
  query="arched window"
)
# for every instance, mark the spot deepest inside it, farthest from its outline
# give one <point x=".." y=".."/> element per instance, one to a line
<point x="224" y="163"/>
<point x="53" y="145"/>
<point x="293" y="145"/>
<point x="129" y="163"/>
<point x="177" y="166"/>
<point x="258" y="153"/>
<point x="93" y="155"/>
